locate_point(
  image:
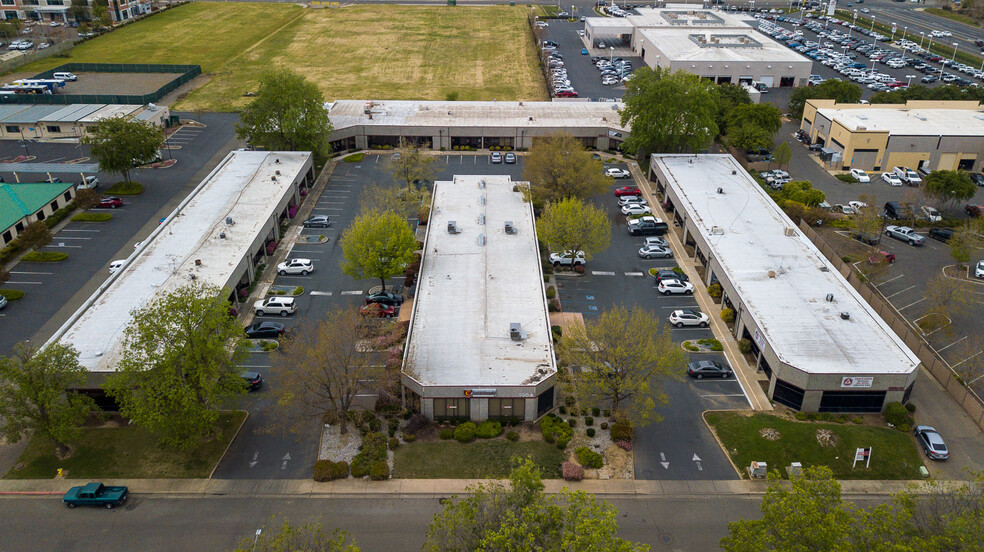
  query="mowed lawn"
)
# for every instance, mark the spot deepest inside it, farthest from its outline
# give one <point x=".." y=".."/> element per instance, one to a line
<point x="358" y="52"/>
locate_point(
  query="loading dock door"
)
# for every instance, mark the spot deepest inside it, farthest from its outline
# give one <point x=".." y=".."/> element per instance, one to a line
<point x="768" y="81"/>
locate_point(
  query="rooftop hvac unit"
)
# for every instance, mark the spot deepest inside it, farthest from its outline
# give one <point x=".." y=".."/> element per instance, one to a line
<point x="717" y="231"/>
<point x="516" y="332"/>
<point x="789" y="231"/>
<point x="845" y="316"/>
<point x="229" y="221"/>
<point x="453" y="227"/>
<point x="278" y="173"/>
<point x="222" y="235"/>
<point x="720" y="190"/>
<point x="510" y="228"/>
<point x="277" y="161"/>
<point x="481" y="220"/>
<point x="830" y="297"/>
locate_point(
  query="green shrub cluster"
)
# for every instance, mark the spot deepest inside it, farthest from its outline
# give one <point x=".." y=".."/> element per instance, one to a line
<point x="589" y="421"/>
<point x="846" y="177"/>
<point x="447" y="433"/>
<point x="745" y="345"/>
<point x="596" y="411"/>
<point x="728" y="315"/>
<point x="354" y="158"/>
<point x="394" y="443"/>
<point x="555" y="430"/>
<point x="591" y="432"/>
<point x="465" y="433"/>
<point x="589" y="458"/>
<point x="572" y="422"/>
<point x="379" y="471"/>
<point x="604" y="425"/>
<point x="715" y="290"/>
<point x="897" y="415"/>
<point x="326" y="470"/>
<point x="373" y="451"/>
<point x="512" y="436"/>
<point x="622" y="431"/>
<point x="488" y="429"/>
<point x="551" y="292"/>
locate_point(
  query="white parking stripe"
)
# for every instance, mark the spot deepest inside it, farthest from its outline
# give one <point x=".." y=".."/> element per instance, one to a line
<point x="25" y="283"/>
<point x="356" y="292"/>
<point x="890" y="280"/>
<point x="597" y="273"/>
<point x="898" y="292"/>
<point x="325" y="293"/>
<point x="634" y="274"/>
<point x="912" y="303"/>
<point x="28" y="272"/>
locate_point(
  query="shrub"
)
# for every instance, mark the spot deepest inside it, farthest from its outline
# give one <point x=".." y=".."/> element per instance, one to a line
<point x="360" y="466"/>
<point x="326" y="470"/>
<point x="622" y="431"/>
<point x="556" y="430"/>
<point x="801" y="416"/>
<point x="904" y="428"/>
<point x="92" y="217"/>
<point x="589" y="421"/>
<point x="745" y="345"/>
<point x="368" y="415"/>
<point x="446" y="433"/>
<point x="624" y="445"/>
<point x="375" y="424"/>
<point x="896" y="414"/>
<point x="465" y="433"/>
<point x="353" y="158"/>
<point x="572" y="471"/>
<point x="551" y="292"/>
<point x="379" y="471"/>
<point x="604" y="425"/>
<point x="728" y="315"/>
<point x="488" y="429"/>
<point x="591" y="432"/>
<point x="714" y="290"/>
<point x="394" y="443"/>
<point x="572" y="422"/>
<point x="579" y="269"/>
<point x="596" y="411"/>
<point x="569" y="400"/>
<point x="911" y="407"/>
<point x="608" y="413"/>
<point x="857" y="420"/>
<point x="512" y="436"/>
<point x="562" y="409"/>
<point x="44" y="257"/>
<point x="409" y="437"/>
<point x="554" y="304"/>
<point x="825" y="417"/>
<point x="589" y="458"/>
<point x="584" y="411"/>
<point x="843" y="419"/>
<point x="846" y="177"/>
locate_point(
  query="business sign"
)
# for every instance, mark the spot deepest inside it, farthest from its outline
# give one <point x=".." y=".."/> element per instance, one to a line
<point x="759" y="339"/>
<point x="614" y="134"/>
<point x="854" y="381"/>
<point x="479" y="393"/>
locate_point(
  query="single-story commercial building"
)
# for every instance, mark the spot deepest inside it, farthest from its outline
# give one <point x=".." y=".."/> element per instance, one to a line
<point x="712" y="44"/>
<point x="24" y="203"/>
<point x="823" y="348"/>
<point x="218" y="235"/>
<point x="360" y="124"/>
<point x="920" y="134"/>
<point x="60" y="122"/>
<point x="480" y="344"/>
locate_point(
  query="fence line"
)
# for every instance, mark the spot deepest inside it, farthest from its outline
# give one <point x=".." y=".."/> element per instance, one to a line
<point x="19" y="61"/>
<point x="939" y="368"/>
<point x="187" y="72"/>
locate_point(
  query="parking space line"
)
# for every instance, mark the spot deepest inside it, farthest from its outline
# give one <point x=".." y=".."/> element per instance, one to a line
<point x="634" y="274"/>
<point x="599" y="273"/>
<point x="73" y="238"/>
<point x="303" y="251"/>
<point x="898" y="292"/>
<point x="323" y="293"/>
<point x="912" y="303"/>
<point x="951" y="345"/>
<point x="890" y="280"/>
<point x="355" y="292"/>
<point x="25" y="283"/>
<point x="255" y="366"/>
<point x="966" y="359"/>
<point x="76" y="230"/>
<point x="61" y="246"/>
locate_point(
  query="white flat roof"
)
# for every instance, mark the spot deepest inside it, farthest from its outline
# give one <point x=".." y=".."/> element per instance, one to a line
<point x="348" y="113"/>
<point x="909" y="121"/>
<point x="677" y="45"/>
<point x="745" y="230"/>
<point x="473" y="285"/>
<point x="108" y="112"/>
<point x="241" y="187"/>
<point x="686" y="16"/>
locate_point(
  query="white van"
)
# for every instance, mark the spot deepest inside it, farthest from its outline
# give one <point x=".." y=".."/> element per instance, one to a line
<point x="65" y="76"/>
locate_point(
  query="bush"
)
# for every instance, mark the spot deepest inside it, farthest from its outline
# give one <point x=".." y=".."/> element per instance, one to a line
<point x="622" y="431"/>
<point x="360" y="466"/>
<point x="596" y="411"/>
<point x="604" y="425"/>
<point x="354" y="158"/>
<point x="728" y="315"/>
<point x="44" y="257"/>
<point x="512" y="436"/>
<point x="379" y="471"/>
<point x="846" y="177"/>
<point x="122" y="188"/>
<point x="825" y="417"/>
<point x="394" y="443"/>
<point x="904" y="428"/>
<point x="745" y="345"/>
<point x="368" y="415"/>
<point x="409" y="437"/>
<point x="589" y="421"/>
<point x="326" y="470"/>
<point x="375" y="424"/>
<point x="572" y="422"/>
<point x="570" y="401"/>
<point x="572" y="471"/>
<point x="465" y="433"/>
<point x="591" y="432"/>
<point x="624" y="445"/>
<point x="556" y="430"/>
<point x="551" y="292"/>
<point x="488" y="429"/>
<point x="584" y="411"/>
<point x="562" y="409"/>
<point x="857" y="420"/>
<point x="608" y="413"/>
<point x="447" y="433"/>
<point x="589" y="458"/>
<point x="897" y="415"/>
<point x="911" y="407"/>
<point x="92" y="217"/>
<point x="801" y="416"/>
<point x="715" y="290"/>
<point x="579" y="269"/>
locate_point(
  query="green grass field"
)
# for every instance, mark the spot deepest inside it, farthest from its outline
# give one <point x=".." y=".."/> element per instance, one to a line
<point x="478" y="459"/>
<point x="357" y="52"/>
<point x="894" y="456"/>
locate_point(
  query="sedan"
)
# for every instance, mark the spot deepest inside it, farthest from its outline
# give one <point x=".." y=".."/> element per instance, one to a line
<point x="378" y="310"/>
<point x="931" y="442"/>
<point x="627" y="191"/>
<point x="979" y="270"/>
<point x="267" y="330"/>
<point x="627" y="200"/>
<point x="941" y="234"/>
<point x="668" y="286"/>
<point x="708" y="369"/>
<point x="584" y="51"/>
<point x="384" y="298"/>
<point x="891" y="179"/>
<point x="669" y="274"/>
<point x="295" y="266"/>
<point x="650" y="251"/>
<point x="656" y="240"/>
<point x="881" y="257"/>
<point x="931" y="214"/>
<point x="510" y="158"/>
<point x="111" y="202"/>
<point x="253" y="380"/>
<point x="860" y="176"/>
<point x="317" y="221"/>
<point x="636" y="209"/>
<point x="689" y="317"/>
<point x="496" y="157"/>
<point x="616" y="172"/>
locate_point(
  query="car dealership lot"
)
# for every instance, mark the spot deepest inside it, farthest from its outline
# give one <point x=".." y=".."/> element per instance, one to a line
<point x="584" y="76"/>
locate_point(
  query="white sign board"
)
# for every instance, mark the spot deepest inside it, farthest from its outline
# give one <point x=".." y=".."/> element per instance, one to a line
<point x="759" y="339"/>
<point x="855" y="381"/>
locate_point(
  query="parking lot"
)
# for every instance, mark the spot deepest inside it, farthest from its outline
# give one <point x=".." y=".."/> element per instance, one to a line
<point x="584" y="76"/>
<point x="55" y="290"/>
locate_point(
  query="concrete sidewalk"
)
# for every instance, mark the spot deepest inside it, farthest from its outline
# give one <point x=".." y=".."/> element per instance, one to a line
<point x="436" y="488"/>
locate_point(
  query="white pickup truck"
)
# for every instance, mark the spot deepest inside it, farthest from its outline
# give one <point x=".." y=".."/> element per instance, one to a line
<point x="907" y="176"/>
<point x="906" y="234"/>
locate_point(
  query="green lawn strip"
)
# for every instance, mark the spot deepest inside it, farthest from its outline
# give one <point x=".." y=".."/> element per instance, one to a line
<point x="479" y="459"/>
<point x="944" y="50"/>
<point x="12" y="294"/>
<point x="128" y="452"/>
<point x="953" y="16"/>
<point x="92" y="217"/>
<point x="44" y="257"/>
<point x="354" y="158"/>
<point x="122" y="188"/>
<point x="894" y="456"/>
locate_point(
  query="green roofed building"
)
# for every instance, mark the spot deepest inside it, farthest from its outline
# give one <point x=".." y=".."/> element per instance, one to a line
<point x="24" y="203"/>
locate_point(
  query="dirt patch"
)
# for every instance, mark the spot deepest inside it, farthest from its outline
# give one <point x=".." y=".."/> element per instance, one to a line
<point x="827" y="438"/>
<point x="769" y="434"/>
<point x="118" y="83"/>
<point x="843" y="245"/>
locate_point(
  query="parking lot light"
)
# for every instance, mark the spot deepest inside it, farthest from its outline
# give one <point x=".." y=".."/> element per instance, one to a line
<point x="611" y="55"/>
<point x="910" y="77"/>
<point x="922" y="35"/>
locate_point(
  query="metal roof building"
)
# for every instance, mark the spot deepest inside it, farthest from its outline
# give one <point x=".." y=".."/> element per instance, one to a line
<point x="24" y="203"/>
<point x="60" y="122"/>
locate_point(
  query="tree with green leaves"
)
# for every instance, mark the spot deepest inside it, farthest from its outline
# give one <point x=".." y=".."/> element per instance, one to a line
<point x="867" y="222"/>
<point x="523" y="517"/>
<point x="670" y="112"/>
<point x="79" y="10"/>
<point x="180" y="362"/>
<point x="406" y="202"/>
<point x="37" y="234"/>
<point x="802" y="191"/>
<point x="622" y="357"/>
<point x="967" y="240"/>
<point x="948" y="188"/>
<point x="782" y="154"/>
<point x="86" y="198"/>
<point x="309" y="537"/>
<point x="410" y="167"/>
<point x="559" y="167"/>
<point x="572" y="225"/>
<point x="36" y="396"/>
<point x="727" y="96"/>
<point x="287" y="114"/>
<point x="10" y="27"/>
<point x="120" y="144"/>
<point x="833" y="89"/>
<point x="100" y="12"/>
<point x="377" y="245"/>
<point x="753" y="126"/>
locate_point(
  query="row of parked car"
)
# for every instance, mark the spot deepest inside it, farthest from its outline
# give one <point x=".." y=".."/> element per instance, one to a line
<point x="560" y="84"/>
<point x="614" y="70"/>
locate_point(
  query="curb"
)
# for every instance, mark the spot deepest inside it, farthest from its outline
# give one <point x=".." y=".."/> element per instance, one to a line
<point x="229" y="444"/>
<point x="703" y="417"/>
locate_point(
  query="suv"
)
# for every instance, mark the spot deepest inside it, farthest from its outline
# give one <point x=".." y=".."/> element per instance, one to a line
<point x="647" y="226"/>
<point x="88" y="183"/>
<point x="275" y="305"/>
<point x="894" y="210"/>
<point x="567" y="258"/>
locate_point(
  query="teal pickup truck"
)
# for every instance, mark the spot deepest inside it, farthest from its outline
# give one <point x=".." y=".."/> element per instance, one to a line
<point x="95" y="494"/>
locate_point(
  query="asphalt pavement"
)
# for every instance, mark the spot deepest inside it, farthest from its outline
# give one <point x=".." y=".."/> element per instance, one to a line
<point x="584" y="76"/>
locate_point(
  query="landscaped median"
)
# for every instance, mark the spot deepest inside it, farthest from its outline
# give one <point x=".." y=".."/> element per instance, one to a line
<point x="44" y="257"/>
<point x="780" y="440"/>
<point x="92" y="217"/>
<point x="125" y="188"/>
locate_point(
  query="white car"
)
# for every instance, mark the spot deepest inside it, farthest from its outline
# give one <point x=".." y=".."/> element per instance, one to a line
<point x="666" y="287"/>
<point x="275" y="305"/>
<point x="891" y="179"/>
<point x="650" y="251"/>
<point x="115" y="266"/>
<point x="626" y="200"/>
<point x="932" y="215"/>
<point x="295" y="266"/>
<point x="656" y="240"/>
<point x="857" y="205"/>
<point x="979" y="270"/>
<point x="636" y="209"/>
<point x="689" y="317"/>
<point x="860" y="176"/>
<point x="615" y="172"/>
<point x="567" y="258"/>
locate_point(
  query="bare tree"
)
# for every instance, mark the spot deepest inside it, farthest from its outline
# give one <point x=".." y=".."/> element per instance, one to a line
<point x="948" y="297"/>
<point x="968" y="356"/>
<point x="86" y="198"/>
<point x="912" y="198"/>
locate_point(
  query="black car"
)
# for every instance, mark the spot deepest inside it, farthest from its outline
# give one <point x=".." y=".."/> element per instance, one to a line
<point x="253" y="380"/>
<point x="268" y="330"/>
<point x="977" y="178"/>
<point x="868" y="238"/>
<point x="941" y="234"/>
<point x="385" y="298"/>
<point x="816" y="147"/>
<point x="671" y="275"/>
<point x="317" y="221"/>
<point x="708" y="369"/>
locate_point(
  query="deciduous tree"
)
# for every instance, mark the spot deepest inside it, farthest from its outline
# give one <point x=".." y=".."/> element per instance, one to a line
<point x="36" y="394"/>
<point x="948" y="188"/>
<point x="867" y="222"/>
<point x="782" y="154"/>
<point x="377" y="245"/>
<point x="86" y="198"/>
<point x="802" y="191"/>
<point x="406" y="202"/>
<point x="120" y="144"/>
<point x="947" y="297"/>
<point x="79" y="10"/>
<point x="323" y="369"/>
<point x="967" y="240"/>
<point x="309" y="537"/>
<point x="753" y="126"/>
<point x="559" y="167"/>
<point x="572" y="225"/>
<point x="623" y="355"/>
<point x="411" y="168"/>
<point x="726" y="97"/>
<point x="670" y="112"/>
<point x="180" y="361"/>
<point x="833" y="89"/>
<point x="37" y="234"/>
<point x="10" y="27"/>
<point x="287" y="114"/>
<point x="522" y="517"/>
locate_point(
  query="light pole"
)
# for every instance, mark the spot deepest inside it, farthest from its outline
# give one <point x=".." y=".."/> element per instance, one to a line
<point x="910" y="77"/>
<point x="872" y="30"/>
<point x="929" y="47"/>
<point x="904" y="29"/>
<point x="943" y="65"/>
<point x="853" y="24"/>
<point x="611" y="56"/>
<point x="922" y="36"/>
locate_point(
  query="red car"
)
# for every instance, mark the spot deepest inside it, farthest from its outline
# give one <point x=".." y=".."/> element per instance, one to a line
<point x="627" y="191"/>
<point x="111" y="202"/>
<point x="379" y="310"/>
<point x="974" y="211"/>
<point x="566" y="94"/>
<point x="881" y="257"/>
